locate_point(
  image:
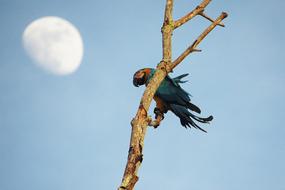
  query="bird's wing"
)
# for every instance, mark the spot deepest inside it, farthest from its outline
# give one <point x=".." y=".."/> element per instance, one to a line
<point x="171" y="92"/>
<point x="178" y="78"/>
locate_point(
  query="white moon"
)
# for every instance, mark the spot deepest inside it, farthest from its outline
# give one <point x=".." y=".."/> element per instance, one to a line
<point x="54" y="44"/>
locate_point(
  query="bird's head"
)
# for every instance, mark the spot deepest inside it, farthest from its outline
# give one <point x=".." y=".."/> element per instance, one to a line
<point x="141" y="76"/>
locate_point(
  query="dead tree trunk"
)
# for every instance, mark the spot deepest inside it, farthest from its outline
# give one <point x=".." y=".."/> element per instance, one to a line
<point x="142" y="120"/>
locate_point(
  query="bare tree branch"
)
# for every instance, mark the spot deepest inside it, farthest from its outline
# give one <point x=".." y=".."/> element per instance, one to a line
<point x="191" y="48"/>
<point x="199" y="9"/>
<point x="210" y="19"/>
<point x="142" y="120"/>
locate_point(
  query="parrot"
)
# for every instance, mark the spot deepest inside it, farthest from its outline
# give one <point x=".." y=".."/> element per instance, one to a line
<point x="170" y="96"/>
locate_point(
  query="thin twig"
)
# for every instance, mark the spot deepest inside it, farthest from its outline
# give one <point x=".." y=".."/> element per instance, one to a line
<point x="209" y="18"/>
<point x="200" y="8"/>
<point x="198" y="40"/>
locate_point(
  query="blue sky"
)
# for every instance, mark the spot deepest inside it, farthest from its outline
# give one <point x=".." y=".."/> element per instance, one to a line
<point x="72" y="132"/>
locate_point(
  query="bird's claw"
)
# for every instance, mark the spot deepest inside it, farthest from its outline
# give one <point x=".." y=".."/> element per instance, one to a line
<point x="152" y="123"/>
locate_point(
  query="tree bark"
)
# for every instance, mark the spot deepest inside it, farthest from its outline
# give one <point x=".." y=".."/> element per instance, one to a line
<point x="141" y="121"/>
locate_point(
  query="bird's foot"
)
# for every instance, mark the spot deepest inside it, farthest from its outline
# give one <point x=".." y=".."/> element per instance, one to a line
<point x="152" y="123"/>
<point x="159" y="116"/>
<point x="155" y="123"/>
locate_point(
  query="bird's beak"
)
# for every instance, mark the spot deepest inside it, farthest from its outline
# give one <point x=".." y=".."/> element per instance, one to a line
<point x="135" y="82"/>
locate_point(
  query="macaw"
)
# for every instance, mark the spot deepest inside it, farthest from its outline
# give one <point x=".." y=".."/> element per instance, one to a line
<point x="170" y="96"/>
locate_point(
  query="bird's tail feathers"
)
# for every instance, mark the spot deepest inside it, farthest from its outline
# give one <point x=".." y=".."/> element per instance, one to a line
<point x="193" y="107"/>
<point x="186" y="118"/>
<point x="201" y="119"/>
